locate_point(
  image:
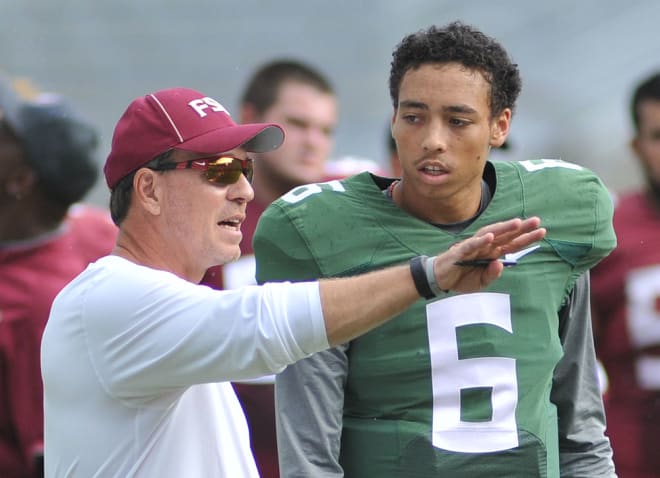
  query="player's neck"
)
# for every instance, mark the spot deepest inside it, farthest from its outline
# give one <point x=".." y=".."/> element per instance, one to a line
<point x="440" y="212"/>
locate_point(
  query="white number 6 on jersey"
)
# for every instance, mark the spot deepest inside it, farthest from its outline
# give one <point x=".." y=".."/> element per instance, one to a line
<point x="451" y="375"/>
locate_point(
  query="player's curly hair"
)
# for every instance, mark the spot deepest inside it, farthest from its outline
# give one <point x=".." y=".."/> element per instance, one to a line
<point x="464" y="44"/>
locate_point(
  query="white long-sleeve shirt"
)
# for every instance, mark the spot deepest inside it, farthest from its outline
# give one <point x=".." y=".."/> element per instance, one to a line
<point x="136" y="364"/>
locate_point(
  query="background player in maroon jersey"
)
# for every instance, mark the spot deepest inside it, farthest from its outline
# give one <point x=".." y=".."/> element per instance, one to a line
<point x="46" y="165"/>
<point x="626" y="303"/>
<point x="302" y="100"/>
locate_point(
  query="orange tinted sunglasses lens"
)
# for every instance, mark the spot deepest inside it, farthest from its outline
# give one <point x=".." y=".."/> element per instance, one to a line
<point x="228" y="170"/>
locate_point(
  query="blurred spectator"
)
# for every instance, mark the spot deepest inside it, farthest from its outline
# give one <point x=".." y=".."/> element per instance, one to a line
<point x="626" y="303"/>
<point x="302" y="100"/>
<point x="46" y="165"/>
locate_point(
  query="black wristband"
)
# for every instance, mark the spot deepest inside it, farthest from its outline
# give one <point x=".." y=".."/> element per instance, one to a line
<point x="418" y="271"/>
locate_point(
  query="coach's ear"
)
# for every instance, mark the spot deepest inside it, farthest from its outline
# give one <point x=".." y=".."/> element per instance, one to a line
<point x="148" y="190"/>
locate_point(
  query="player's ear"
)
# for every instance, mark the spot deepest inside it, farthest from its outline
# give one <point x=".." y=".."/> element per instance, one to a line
<point x="499" y="128"/>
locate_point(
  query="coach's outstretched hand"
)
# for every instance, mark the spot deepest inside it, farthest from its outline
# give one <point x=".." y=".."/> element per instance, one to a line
<point x="490" y="243"/>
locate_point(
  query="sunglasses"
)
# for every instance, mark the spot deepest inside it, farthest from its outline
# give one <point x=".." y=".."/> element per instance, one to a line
<point x="219" y="170"/>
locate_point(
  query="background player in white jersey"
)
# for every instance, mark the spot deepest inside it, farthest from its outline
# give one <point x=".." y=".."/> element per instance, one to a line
<point x="497" y="383"/>
<point x="137" y="356"/>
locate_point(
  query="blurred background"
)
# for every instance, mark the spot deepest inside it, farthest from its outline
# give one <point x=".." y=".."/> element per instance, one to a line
<point x="579" y="61"/>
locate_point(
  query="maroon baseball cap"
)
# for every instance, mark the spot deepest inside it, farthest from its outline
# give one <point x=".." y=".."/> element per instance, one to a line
<point x="180" y="118"/>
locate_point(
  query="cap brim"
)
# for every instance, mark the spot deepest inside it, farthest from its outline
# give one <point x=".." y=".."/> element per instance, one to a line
<point x="255" y="138"/>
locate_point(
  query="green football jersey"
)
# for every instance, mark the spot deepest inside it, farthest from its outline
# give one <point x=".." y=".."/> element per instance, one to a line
<point x="459" y="385"/>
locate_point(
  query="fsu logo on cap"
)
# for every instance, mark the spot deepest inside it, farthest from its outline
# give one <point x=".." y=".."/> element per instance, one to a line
<point x="205" y="103"/>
